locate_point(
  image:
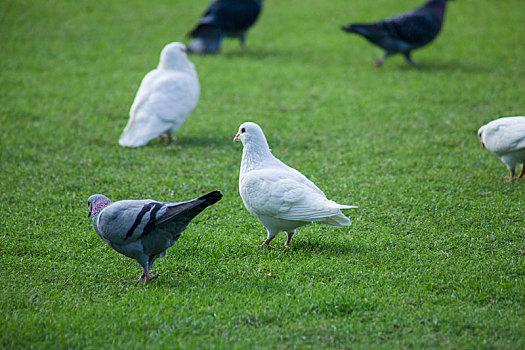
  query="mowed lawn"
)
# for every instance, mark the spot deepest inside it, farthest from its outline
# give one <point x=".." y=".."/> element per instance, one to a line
<point x="435" y="256"/>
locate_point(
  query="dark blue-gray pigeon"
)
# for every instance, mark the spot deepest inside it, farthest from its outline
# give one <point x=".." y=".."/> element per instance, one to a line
<point x="405" y="32"/>
<point x="144" y="229"/>
<point x="223" y="18"/>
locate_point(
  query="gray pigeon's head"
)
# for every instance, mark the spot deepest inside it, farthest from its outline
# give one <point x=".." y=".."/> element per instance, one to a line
<point x="173" y="56"/>
<point x="249" y="132"/>
<point x="96" y="203"/>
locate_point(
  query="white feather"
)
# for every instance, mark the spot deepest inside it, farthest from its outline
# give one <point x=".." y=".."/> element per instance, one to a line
<point x="280" y="197"/>
<point x="166" y="96"/>
<point x="505" y="138"/>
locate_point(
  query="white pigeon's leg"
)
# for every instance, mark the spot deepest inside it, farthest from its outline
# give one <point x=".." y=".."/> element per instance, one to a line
<point x="512" y="172"/>
<point x="167" y="136"/>
<point x="522" y="171"/>
<point x="290" y="235"/>
<point x="271" y="236"/>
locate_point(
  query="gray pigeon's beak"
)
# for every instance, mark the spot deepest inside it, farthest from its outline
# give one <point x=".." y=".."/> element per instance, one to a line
<point x="89" y="213"/>
<point x="236" y="138"/>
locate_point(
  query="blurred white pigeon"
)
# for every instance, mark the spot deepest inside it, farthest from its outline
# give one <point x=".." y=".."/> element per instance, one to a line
<point x="166" y="96"/>
<point x="144" y="229"/>
<point x="505" y="137"/>
<point x="280" y="197"/>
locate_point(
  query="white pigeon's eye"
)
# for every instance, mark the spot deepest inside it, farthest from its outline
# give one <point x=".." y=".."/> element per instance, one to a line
<point x="243" y="130"/>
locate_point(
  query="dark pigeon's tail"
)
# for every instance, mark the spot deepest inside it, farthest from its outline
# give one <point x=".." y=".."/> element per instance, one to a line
<point x="368" y="30"/>
<point x="186" y="211"/>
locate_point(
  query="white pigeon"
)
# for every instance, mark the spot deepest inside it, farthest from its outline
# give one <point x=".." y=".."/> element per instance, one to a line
<point x="505" y="138"/>
<point x="166" y="96"/>
<point x="280" y="197"/>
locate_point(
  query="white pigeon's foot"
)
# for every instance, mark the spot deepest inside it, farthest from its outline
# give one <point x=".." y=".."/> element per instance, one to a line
<point x="266" y="244"/>
<point x="168" y="138"/>
<point x="290" y="235"/>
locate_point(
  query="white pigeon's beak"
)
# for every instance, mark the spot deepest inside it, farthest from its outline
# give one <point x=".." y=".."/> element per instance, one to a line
<point x="236" y="138"/>
<point x="482" y="144"/>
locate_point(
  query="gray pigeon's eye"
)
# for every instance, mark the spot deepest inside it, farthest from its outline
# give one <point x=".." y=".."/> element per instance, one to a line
<point x="243" y="130"/>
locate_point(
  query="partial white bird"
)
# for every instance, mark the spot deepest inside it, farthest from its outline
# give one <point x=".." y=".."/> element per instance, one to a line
<point x="280" y="197"/>
<point x="505" y="138"/>
<point x="166" y="96"/>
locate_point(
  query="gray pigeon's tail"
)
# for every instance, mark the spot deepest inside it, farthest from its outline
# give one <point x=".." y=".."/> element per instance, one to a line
<point x="186" y="211"/>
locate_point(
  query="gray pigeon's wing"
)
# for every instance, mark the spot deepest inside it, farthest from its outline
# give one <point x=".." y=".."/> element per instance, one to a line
<point x="126" y="221"/>
<point x="168" y="228"/>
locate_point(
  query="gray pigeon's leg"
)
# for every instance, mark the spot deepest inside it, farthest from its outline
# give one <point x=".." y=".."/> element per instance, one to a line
<point x="290" y="235"/>
<point x="379" y="61"/>
<point x="522" y="171"/>
<point x="145" y="272"/>
<point x="410" y="60"/>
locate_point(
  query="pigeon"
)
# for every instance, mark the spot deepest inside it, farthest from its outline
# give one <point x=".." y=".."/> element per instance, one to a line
<point x="505" y="138"/>
<point x="144" y="229"/>
<point x="166" y="96"/>
<point x="405" y="32"/>
<point x="280" y="197"/>
<point x="223" y="18"/>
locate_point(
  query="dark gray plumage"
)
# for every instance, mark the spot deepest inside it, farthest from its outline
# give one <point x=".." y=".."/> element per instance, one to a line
<point x="405" y="32"/>
<point x="223" y="18"/>
<point x="144" y="229"/>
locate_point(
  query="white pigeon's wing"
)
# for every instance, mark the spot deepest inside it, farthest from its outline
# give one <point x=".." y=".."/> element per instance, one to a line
<point x="163" y="105"/>
<point x="273" y="192"/>
<point x="505" y="135"/>
<point x="144" y="91"/>
<point x="126" y="221"/>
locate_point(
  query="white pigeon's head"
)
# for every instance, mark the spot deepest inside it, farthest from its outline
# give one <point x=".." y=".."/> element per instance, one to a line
<point x="173" y="56"/>
<point x="249" y="133"/>
<point x="480" y="135"/>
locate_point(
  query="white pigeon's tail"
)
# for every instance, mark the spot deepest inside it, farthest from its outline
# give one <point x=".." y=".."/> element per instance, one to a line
<point x="339" y="219"/>
<point x="140" y="133"/>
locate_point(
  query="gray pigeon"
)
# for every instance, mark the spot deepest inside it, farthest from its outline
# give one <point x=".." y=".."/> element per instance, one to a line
<point x="144" y="229"/>
<point x="223" y="18"/>
<point x="405" y="32"/>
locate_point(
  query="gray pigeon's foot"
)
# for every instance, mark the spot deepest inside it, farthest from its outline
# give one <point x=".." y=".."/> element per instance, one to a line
<point x="146" y="277"/>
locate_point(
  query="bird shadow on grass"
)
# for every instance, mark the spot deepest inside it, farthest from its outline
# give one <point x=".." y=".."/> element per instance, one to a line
<point x="189" y="141"/>
<point x="451" y="66"/>
<point x="326" y="248"/>
<point x="261" y="54"/>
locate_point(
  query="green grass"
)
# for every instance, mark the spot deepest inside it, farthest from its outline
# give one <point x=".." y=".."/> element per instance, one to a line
<point x="435" y="257"/>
